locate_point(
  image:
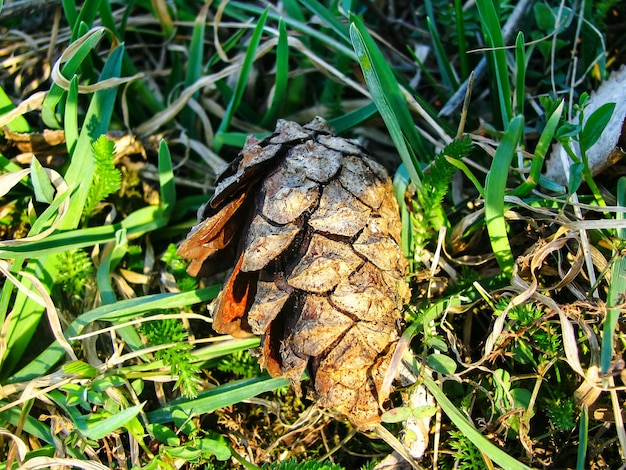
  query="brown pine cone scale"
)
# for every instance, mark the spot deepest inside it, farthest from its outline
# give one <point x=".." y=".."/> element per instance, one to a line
<point x="311" y="226"/>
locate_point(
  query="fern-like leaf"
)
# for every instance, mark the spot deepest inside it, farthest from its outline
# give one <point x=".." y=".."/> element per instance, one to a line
<point x="74" y="271"/>
<point x="177" y="357"/>
<point x="107" y="179"/>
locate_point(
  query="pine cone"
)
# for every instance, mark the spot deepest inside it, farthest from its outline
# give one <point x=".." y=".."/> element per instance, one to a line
<point x="311" y="226"/>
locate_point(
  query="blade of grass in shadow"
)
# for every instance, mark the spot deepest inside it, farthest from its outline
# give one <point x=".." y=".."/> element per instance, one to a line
<point x="460" y="34"/>
<point x="617" y="287"/>
<point x="330" y="20"/>
<point x="282" y="74"/>
<point x="242" y="82"/>
<point x="388" y="98"/>
<point x="495" y="187"/>
<point x="539" y="155"/>
<point x="501" y="86"/>
<point x="235" y="8"/>
<point x="218" y="397"/>
<point x="496" y="454"/>
<point x="445" y="68"/>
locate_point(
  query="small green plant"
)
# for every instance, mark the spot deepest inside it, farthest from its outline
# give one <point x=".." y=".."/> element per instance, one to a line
<point x="177" y="356"/>
<point x="106" y="179"/>
<point x="240" y="363"/>
<point x="466" y="455"/>
<point x="75" y="271"/>
<point x="562" y="414"/>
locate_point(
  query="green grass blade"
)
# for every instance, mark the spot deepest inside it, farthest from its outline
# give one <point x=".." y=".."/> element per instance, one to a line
<point x="218" y="397"/>
<point x="353" y="118"/>
<point x="166" y="179"/>
<point x="243" y="78"/>
<point x="541" y="150"/>
<point x="84" y="45"/>
<point x="583" y="438"/>
<point x="496" y="454"/>
<point x="329" y="19"/>
<point x="86" y="16"/>
<point x="520" y="76"/>
<point x="70" y="11"/>
<point x="41" y="430"/>
<point x="143" y="220"/>
<point x="70" y="117"/>
<point x="235" y="8"/>
<point x="448" y="76"/>
<point x="282" y="75"/>
<point x="194" y="64"/>
<point x="495" y="187"/>
<point x="617" y="287"/>
<point x="102" y="427"/>
<point x="19" y="124"/>
<point x="388" y="98"/>
<point x="465" y="169"/>
<point x="492" y="32"/>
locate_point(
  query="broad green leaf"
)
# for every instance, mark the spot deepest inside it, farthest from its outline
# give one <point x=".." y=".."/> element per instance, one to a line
<point x="595" y="125"/>
<point x="576" y="171"/>
<point x="80" y="368"/>
<point x="215" y="447"/>
<point x="442" y="363"/>
<point x="163" y="434"/>
<point x="495" y="188"/>
<point x="396" y="415"/>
